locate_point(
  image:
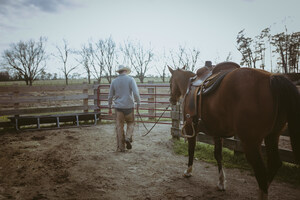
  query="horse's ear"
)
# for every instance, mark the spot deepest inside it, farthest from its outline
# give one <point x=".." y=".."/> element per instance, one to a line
<point x="184" y="67"/>
<point x="170" y="69"/>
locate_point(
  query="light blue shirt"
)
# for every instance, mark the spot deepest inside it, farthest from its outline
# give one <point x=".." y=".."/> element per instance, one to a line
<point x="123" y="90"/>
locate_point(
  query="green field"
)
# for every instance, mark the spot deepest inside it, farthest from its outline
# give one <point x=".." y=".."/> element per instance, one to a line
<point x="77" y="81"/>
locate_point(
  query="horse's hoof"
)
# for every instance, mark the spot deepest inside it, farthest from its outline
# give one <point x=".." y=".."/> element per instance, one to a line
<point x="187" y="175"/>
<point x="221" y="187"/>
<point x="262" y="195"/>
<point x="222" y="181"/>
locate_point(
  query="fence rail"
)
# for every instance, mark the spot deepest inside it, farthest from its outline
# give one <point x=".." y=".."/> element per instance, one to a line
<point x="28" y="105"/>
<point x="45" y="103"/>
<point x="154" y="100"/>
<point x="18" y="101"/>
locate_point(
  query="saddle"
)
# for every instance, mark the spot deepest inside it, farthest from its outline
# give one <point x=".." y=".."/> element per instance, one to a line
<point x="204" y="83"/>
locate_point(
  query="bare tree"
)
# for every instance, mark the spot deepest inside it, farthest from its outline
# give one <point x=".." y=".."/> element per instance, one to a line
<point x="288" y="48"/>
<point x="265" y="39"/>
<point x="96" y="61"/>
<point x="260" y="46"/>
<point x="245" y="48"/>
<point x="86" y="60"/>
<point x="4" y="76"/>
<point x="27" y="59"/>
<point x="138" y="57"/>
<point x="107" y="55"/>
<point x="294" y="52"/>
<point x="229" y="57"/>
<point x="280" y="42"/>
<point x="185" y="57"/>
<point x="64" y="53"/>
<point x="194" y="57"/>
<point x="162" y="71"/>
<point x="178" y="58"/>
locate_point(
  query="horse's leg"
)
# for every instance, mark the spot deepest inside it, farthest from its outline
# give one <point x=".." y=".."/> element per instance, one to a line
<point x="191" y="151"/>
<point x="254" y="157"/>
<point x="273" y="159"/>
<point x="218" y="157"/>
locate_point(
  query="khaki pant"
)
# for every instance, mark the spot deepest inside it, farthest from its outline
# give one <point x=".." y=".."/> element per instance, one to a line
<point x="120" y="119"/>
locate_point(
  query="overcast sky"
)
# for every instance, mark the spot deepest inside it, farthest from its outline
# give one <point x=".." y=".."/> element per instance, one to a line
<point x="208" y="25"/>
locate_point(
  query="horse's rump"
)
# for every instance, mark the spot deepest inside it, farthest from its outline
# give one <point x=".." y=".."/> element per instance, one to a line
<point x="225" y="66"/>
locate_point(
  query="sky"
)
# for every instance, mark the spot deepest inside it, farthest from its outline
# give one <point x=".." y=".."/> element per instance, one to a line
<point x="210" y="26"/>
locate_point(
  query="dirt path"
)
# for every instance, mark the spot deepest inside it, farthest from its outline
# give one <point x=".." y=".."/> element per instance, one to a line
<point x="81" y="163"/>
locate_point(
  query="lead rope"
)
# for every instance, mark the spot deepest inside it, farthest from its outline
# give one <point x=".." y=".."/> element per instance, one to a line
<point x="149" y="130"/>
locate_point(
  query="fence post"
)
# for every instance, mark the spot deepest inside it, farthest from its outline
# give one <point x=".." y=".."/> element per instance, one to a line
<point x="175" y="115"/>
<point x="151" y="99"/>
<point x="86" y="100"/>
<point x="238" y="150"/>
<point x="16" y="105"/>
<point x="95" y="86"/>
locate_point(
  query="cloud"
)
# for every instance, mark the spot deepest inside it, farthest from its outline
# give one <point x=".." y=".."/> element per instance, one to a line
<point x="7" y="27"/>
<point x="48" y="5"/>
<point x="17" y="6"/>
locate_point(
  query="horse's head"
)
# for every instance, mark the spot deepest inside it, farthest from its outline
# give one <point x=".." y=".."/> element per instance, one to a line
<point x="178" y="83"/>
<point x="175" y="92"/>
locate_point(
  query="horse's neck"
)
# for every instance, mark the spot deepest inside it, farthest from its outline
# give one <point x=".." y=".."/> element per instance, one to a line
<point x="185" y="83"/>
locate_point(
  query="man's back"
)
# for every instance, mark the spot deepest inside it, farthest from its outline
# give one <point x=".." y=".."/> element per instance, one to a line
<point x="124" y="90"/>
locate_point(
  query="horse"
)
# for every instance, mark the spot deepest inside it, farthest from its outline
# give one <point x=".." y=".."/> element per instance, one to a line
<point x="249" y="103"/>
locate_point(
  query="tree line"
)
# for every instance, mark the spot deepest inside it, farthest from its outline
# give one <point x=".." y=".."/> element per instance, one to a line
<point x="26" y="60"/>
<point x="284" y="47"/>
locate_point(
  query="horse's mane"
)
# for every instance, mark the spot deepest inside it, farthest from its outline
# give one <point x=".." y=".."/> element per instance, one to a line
<point x="187" y="72"/>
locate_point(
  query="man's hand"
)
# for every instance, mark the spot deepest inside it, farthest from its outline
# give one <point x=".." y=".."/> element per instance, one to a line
<point x="109" y="112"/>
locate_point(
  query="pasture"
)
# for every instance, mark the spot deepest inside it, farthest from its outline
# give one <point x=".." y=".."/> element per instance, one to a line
<point x="77" y="81"/>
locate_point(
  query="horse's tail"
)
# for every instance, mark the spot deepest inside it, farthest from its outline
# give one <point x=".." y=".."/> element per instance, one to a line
<point x="289" y="102"/>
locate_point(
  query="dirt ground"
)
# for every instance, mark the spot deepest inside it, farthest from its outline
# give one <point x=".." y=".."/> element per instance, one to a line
<point x="81" y="163"/>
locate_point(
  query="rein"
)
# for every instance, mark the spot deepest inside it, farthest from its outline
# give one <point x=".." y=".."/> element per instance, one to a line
<point x="149" y="130"/>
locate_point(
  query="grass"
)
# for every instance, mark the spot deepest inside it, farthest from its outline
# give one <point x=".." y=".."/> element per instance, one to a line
<point x="288" y="172"/>
<point x="4" y="119"/>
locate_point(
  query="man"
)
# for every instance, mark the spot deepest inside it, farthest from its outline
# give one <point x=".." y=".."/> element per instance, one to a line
<point x="123" y="90"/>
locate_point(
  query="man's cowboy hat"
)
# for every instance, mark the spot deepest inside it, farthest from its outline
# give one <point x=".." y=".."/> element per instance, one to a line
<point x="123" y="68"/>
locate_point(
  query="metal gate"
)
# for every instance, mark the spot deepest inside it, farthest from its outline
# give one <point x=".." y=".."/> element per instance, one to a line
<point x="154" y="101"/>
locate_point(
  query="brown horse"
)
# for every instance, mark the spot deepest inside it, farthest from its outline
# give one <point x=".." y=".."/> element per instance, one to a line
<point x="252" y="104"/>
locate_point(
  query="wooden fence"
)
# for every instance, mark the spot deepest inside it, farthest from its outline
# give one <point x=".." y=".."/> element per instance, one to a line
<point x="46" y="105"/>
<point x="27" y="105"/>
